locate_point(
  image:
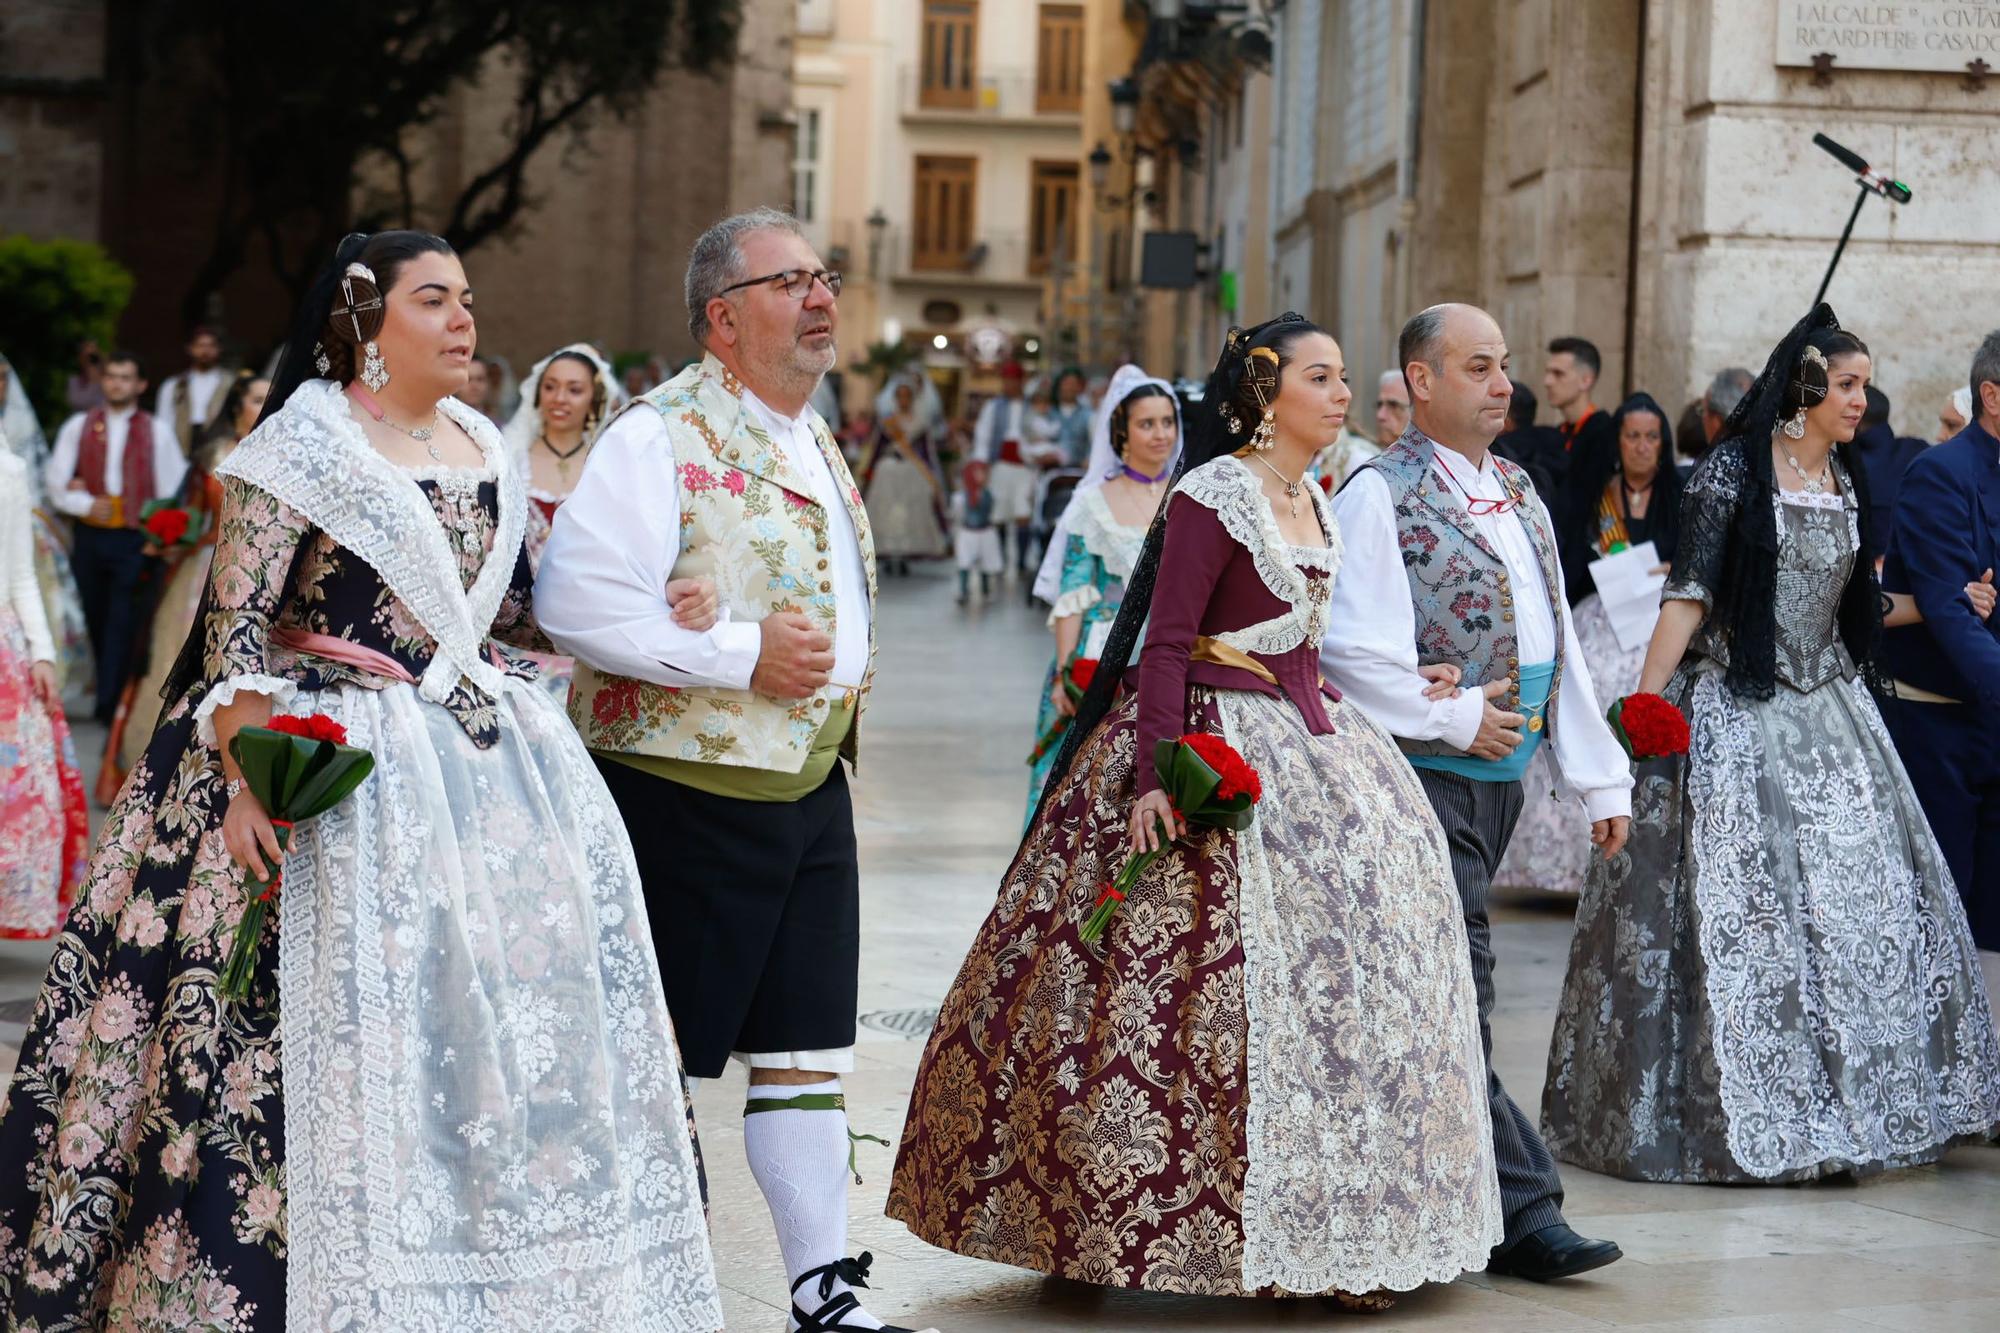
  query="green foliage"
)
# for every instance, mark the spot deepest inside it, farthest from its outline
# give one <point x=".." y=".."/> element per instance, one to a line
<point x="299" y="96"/>
<point x="885" y="359"/>
<point x="54" y="294"/>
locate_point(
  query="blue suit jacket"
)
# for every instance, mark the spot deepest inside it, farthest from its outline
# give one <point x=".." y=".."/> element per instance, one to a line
<point x="1947" y="534"/>
<point x="1885" y="457"/>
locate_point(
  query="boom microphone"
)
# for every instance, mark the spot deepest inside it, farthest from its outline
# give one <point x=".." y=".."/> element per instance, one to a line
<point x="1874" y="180"/>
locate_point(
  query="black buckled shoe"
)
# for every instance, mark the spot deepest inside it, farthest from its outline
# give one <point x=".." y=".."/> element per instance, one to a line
<point x="831" y="1317"/>
<point x="1553" y="1252"/>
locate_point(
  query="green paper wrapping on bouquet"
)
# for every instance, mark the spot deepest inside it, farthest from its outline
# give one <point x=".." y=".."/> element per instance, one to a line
<point x="1208" y="784"/>
<point x="294" y="777"/>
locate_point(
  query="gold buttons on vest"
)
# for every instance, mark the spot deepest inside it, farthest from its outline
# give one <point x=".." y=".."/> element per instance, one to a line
<point x="822" y="565"/>
<point x="824" y="586"/>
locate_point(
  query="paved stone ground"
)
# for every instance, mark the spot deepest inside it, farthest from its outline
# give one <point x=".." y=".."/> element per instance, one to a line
<point x="939" y="803"/>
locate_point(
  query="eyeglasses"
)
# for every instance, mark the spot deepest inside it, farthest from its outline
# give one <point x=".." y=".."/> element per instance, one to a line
<point x="797" y="282"/>
<point x="1479" y="506"/>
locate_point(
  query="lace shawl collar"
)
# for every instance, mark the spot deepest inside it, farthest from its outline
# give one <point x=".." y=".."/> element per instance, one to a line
<point x="1117" y="545"/>
<point x="313" y="456"/>
<point x="1227" y="487"/>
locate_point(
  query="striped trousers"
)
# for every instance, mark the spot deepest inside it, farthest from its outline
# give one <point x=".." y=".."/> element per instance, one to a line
<point x="1478" y="819"/>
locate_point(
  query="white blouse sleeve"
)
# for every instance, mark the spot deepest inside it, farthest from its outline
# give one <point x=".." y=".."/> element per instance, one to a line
<point x="1370" y="649"/>
<point x="601" y="593"/>
<point x="17" y="560"/>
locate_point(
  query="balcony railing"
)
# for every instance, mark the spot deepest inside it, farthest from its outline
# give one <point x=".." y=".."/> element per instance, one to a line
<point x="989" y="94"/>
<point x="995" y="258"/>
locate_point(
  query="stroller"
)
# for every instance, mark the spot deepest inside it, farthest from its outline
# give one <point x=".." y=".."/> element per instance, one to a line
<point x="1053" y="490"/>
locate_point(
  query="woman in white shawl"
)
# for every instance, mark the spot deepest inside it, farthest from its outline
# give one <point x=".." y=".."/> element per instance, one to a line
<point x="60" y="599"/>
<point x="566" y="400"/>
<point x="1135" y="439"/>
<point x="451" y="1099"/>
<point x="901" y="482"/>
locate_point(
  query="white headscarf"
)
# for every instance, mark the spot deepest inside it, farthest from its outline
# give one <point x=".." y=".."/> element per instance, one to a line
<point x="925" y="404"/>
<point x="1104" y="464"/>
<point x="20" y="431"/>
<point x="1961" y="401"/>
<point x="526" y="424"/>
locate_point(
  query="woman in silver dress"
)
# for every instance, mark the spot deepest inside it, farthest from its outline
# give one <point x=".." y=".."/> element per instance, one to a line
<point x="1775" y="980"/>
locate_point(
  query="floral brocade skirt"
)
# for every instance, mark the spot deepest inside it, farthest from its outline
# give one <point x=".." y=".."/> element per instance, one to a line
<point x="1266" y="1075"/>
<point x="465" y="1114"/>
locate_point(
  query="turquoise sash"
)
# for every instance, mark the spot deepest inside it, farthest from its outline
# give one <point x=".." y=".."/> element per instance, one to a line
<point x="1536" y="682"/>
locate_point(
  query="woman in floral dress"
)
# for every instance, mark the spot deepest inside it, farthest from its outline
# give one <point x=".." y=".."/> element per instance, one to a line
<point x="1267" y="1074"/>
<point x="451" y="1100"/>
<point x="44" y="824"/>
<point x="61" y="602"/>
<point x="1135" y="442"/>
<point x="1775" y="980"/>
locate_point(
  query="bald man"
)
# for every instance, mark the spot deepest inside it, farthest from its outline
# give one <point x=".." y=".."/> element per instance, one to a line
<point x="1451" y="557"/>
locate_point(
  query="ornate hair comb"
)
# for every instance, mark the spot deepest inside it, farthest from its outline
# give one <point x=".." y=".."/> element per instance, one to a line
<point x="353" y="310"/>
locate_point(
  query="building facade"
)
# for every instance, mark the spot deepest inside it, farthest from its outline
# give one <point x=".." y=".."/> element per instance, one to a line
<point x="937" y="161"/>
<point x="1637" y="172"/>
<point x="94" y="144"/>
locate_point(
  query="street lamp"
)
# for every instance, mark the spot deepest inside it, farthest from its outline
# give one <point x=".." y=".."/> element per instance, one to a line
<point x="1124" y="105"/>
<point x="1100" y="168"/>
<point x="878" y="226"/>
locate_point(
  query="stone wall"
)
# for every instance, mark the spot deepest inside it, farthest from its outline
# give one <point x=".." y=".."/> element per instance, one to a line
<point x="51" y="117"/>
<point x="602" y="255"/>
<point x="1742" y="212"/>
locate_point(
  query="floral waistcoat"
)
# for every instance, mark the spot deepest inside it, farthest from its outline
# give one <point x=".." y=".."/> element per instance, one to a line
<point x="750" y="522"/>
<point x="1458" y="583"/>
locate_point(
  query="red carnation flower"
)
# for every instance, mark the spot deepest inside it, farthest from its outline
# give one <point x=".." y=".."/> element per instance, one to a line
<point x="1238" y="778"/>
<point x="1650" y="727"/>
<point x="1082" y="671"/>
<point x="167" y="526"/>
<point x="318" y="727"/>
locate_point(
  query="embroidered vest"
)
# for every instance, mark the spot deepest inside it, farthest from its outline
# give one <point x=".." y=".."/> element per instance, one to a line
<point x="1458" y="583"/>
<point x="94" y="451"/>
<point x="750" y="522"/>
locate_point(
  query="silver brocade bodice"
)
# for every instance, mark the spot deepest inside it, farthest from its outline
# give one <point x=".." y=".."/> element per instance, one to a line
<point x="1817" y="548"/>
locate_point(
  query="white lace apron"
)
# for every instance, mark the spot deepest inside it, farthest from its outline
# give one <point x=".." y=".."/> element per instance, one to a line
<point x="484" y="1124"/>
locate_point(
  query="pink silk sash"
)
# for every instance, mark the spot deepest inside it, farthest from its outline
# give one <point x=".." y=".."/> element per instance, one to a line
<point x="344" y="651"/>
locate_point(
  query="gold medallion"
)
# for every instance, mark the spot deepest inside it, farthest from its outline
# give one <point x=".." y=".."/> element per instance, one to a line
<point x="1535" y="722"/>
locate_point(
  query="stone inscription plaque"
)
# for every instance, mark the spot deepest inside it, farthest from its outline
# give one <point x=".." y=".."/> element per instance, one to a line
<point x="1921" y="35"/>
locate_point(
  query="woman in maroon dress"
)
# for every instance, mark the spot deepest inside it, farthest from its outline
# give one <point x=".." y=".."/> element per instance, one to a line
<point x="1266" y="1075"/>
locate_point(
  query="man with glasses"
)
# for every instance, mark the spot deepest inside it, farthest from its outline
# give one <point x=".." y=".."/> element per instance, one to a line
<point x="1451" y="558"/>
<point x="722" y="747"/>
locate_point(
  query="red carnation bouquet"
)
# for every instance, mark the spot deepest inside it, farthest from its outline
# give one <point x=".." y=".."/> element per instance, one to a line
<point x="171" y="525"/>
<point x="1076" y="678"/>
<point x="1209" y="784"/>
<point x="1648" y="726"/>
<point x="296" y="767"/>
